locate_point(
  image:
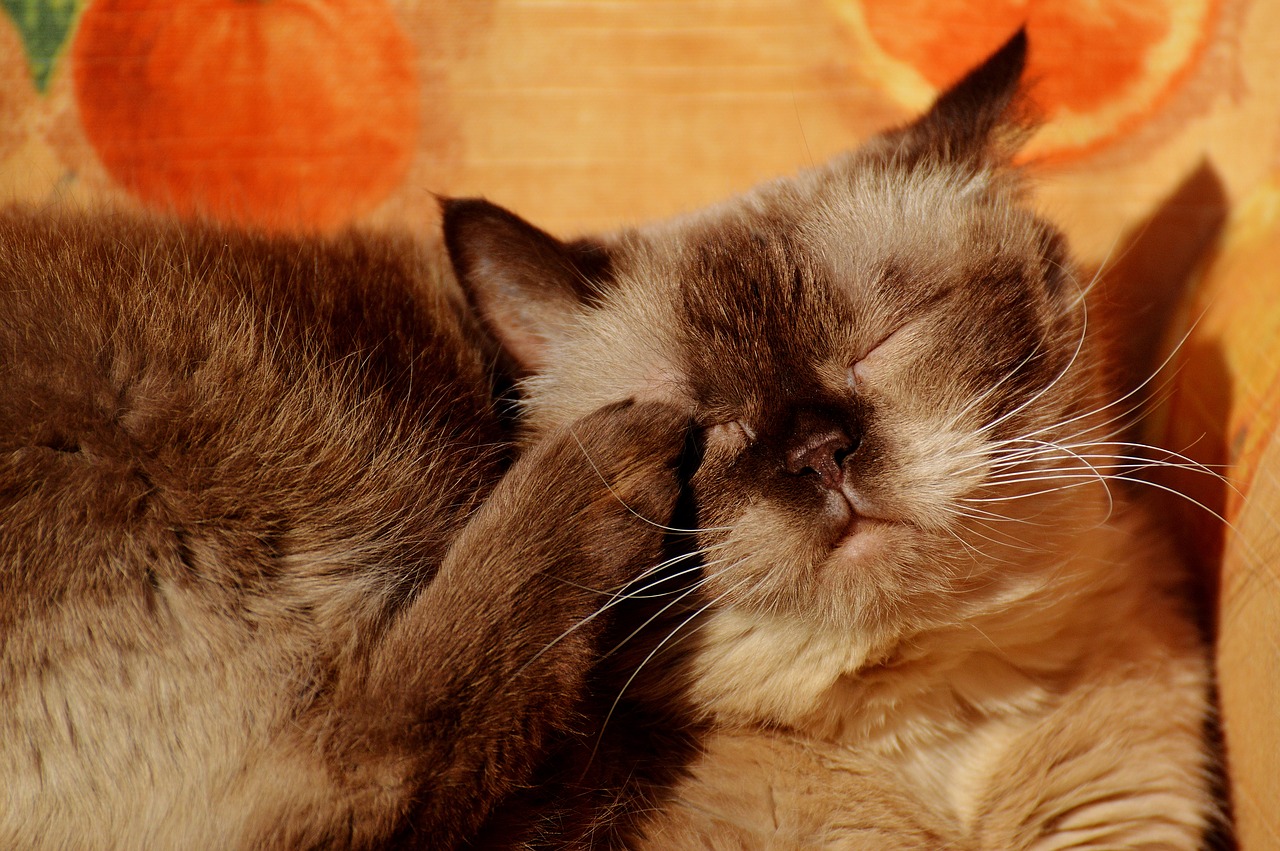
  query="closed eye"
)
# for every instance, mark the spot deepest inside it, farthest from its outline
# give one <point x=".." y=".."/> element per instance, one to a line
<point x="864" y="367"/>
<point x="731" y="431"/>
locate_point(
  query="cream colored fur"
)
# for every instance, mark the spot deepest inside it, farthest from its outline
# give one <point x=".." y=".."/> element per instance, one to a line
<point x="1030" y="682"/>
<point x="1050" y="725"/>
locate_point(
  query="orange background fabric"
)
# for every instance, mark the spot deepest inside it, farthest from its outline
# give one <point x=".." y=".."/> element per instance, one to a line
<point x="1160" y="156"/>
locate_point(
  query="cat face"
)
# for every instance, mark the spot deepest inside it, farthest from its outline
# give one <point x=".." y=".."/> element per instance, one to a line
<point x="885" y="358"/>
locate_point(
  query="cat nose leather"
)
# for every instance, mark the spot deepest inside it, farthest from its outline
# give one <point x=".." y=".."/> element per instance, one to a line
<point x="820" y="450"/>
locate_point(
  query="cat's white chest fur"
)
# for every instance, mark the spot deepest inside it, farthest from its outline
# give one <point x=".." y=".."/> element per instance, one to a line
<point x="922" y="721"/>
<point x="754" y="666"/>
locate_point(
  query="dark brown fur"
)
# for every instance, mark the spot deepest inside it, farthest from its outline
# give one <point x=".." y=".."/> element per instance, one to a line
<point x="249" y="516"/>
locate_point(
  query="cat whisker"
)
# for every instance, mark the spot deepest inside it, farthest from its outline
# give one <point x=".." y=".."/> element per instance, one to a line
<point x="1074" y="480"/>
<point x="971" y="512"/>
<point x="989" y="427"/>
<point x="1125" y="463"/>
<point x="995" y="455"/>
<point x="680" y="598"/>
<point x="1183" y="496"/>
<point x="979" y="556"/>
<point x="990" y="391"/>
<point x="648" y="658"/>
<point x="1182" y="462"/>
<point x="1083" y="480"/>
<point x="616" y="594"/>
<point x="1071" y="361"/>
<point x="619" y="597"/>
<point x="1084" y="291"/>
<point x="1098" y="474"/>
<point x="698" y="554"/>
<point x="1138" y="406"/>
<point x="664" y="527"/>
<point x="999" y="453"/>
<point x="639" y="595"/>
<point x="1008" y="461"/>
<point x="1052" y="475"/>
<point x="1126" y="420"/>
<point x="1008" y="538"/>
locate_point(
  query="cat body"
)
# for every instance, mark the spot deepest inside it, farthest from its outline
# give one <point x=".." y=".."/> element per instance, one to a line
<point x="933" y="613"/>
<point x="267" y="577"/>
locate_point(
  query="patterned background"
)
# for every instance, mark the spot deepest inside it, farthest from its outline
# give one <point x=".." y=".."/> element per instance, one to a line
<point x="1159" y="156"/>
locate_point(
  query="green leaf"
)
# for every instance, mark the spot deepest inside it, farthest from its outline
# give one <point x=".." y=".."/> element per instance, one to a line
<point x="44" y="26"/>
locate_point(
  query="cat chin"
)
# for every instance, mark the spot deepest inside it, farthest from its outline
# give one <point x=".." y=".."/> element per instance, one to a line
<point x="864" y="538"/>
<point x="894" y="686"/>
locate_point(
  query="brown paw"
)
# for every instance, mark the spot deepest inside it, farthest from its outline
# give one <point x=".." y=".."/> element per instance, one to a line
<point x="597" y="495"/>
<point x="634" y="450"/>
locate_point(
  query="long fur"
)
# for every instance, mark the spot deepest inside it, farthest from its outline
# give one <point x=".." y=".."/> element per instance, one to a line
<point x="267" y="577"/>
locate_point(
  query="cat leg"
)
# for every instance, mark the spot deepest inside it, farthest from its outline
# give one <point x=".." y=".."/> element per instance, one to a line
<point x="489" y="661"/>
<point x="756" y="789"/>
<point x="1120" y="764"/>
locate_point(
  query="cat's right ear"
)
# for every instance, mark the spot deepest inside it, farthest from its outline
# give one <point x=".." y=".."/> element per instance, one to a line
<point x="524" y="283"/>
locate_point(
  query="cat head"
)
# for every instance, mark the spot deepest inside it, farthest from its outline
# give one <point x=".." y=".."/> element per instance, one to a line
<point x="886" y="357"/>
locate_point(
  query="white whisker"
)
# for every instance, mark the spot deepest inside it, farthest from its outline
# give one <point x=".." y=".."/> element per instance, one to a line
<point x="618" y="699"/>
<point x="619" y="597"/>
<point x="623" y="503"/>
<point x="685" y="593"/>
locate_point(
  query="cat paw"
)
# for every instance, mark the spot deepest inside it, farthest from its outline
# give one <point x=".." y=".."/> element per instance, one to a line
<point x="605" y="487"/>
<point x="635" y="450"/>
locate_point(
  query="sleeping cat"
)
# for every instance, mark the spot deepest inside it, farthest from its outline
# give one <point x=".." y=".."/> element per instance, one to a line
<point x="273" y="576"/>
<point x="931" y="613"/>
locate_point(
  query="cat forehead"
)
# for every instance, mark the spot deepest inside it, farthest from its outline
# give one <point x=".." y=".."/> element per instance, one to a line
<point x="845" y="227"/>
<point x="801" y="275"/>
<point x="861" y="218"/>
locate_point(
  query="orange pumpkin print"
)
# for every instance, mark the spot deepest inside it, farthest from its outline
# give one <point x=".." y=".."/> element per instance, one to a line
<point x="1098" y="68"/>
<point x="281" y="114"/>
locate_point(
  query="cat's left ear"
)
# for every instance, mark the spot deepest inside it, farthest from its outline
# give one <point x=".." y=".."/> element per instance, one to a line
<point x="525" y="283"/>
<point x="981" y="119"/>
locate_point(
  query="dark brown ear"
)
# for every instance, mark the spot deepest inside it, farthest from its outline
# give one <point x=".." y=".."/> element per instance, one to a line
<point x="980" y="118"/>
<point x="524" y="282"/>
